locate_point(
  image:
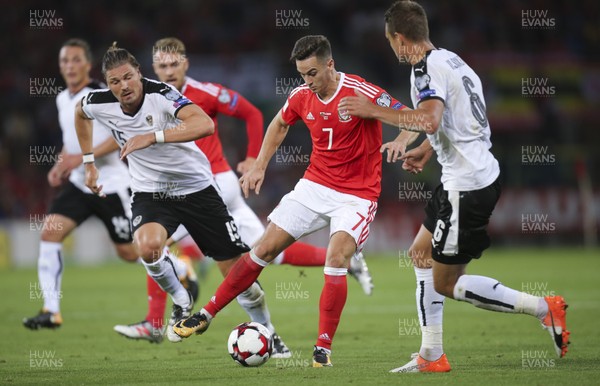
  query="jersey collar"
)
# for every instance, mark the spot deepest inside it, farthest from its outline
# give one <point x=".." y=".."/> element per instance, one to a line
<point x="337" y="91"/>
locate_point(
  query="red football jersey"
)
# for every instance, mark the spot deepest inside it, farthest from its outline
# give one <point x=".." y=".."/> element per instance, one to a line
<point x="345" y="154"/>
<point x="214" y="99"/>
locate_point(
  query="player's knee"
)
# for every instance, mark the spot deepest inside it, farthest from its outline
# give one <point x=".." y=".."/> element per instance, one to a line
<point x="50" y="237"/>
<point x="149" y="245"/>
<point x="127" y="252"/>
<point x="336" y="260"/>
<point x="421" y="257"/>
<point x="266" y="250"/>
<point x="53" y="232"/>
<point x="150" y="250"/>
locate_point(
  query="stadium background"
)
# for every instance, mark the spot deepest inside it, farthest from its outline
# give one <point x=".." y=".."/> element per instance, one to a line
<point x="538" y="62"/>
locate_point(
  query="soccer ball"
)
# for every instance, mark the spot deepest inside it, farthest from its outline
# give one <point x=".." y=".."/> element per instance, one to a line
<point x="250" y="344"/>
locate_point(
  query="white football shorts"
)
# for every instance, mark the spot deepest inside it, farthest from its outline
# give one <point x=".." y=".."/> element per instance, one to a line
<point x="311" y="206"/>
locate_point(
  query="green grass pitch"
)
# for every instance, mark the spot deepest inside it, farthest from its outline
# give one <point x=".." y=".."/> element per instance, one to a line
<point x="376" y="333"/>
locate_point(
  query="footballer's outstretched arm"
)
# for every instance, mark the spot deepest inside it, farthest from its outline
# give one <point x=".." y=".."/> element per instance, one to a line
<point x="415" y="159"/>
<point x="69" y="161"/>
<point x="58" y="170"/>
<point x="84" y="129"/>
<point x="276" y="132"/>
<point x="246" y="111"/>
<point x="398" y="146"/>
<point x="426" y="118"/>
<point x="85" y="132"/>
<point x="195" y="124"/>
<point x="106" y="147"/>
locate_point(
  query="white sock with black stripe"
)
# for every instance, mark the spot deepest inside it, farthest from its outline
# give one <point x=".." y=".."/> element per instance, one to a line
<point x="50" y="270"/>
<point x="430" y="308"/>
<point x="180" y="267"/>
<point x="164" y="273"/>
<point x="490" y="294"/>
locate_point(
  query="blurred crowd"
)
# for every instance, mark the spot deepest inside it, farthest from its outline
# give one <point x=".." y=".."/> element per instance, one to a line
<point x="245" y="45"/>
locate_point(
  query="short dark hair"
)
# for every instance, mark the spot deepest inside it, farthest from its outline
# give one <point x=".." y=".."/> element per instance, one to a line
<point x="76" y="42"/>
<point x="115" y="57"/>
<point x="408" y="18"/>
<point x="310" y="45"/>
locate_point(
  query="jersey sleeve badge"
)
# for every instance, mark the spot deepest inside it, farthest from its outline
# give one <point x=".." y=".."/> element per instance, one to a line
<point x="384" y="100"/>
<point x="422" y="86"/>
<point x="422" y="81"/>
<point x="172" y="95"/>
<point x="176" y="97"/>
<point x="224" y="96"/>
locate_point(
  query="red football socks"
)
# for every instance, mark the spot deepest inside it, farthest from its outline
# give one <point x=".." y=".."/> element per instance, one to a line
<point x="331" y="304"/>
<point x="240" y="277"/>
<point x="157" y="301"/>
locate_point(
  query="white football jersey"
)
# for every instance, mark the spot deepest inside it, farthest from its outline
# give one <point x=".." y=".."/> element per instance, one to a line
<point x="113" y="172"/>
<point x="174" y="168"/>
<point x="462" y="141"/>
